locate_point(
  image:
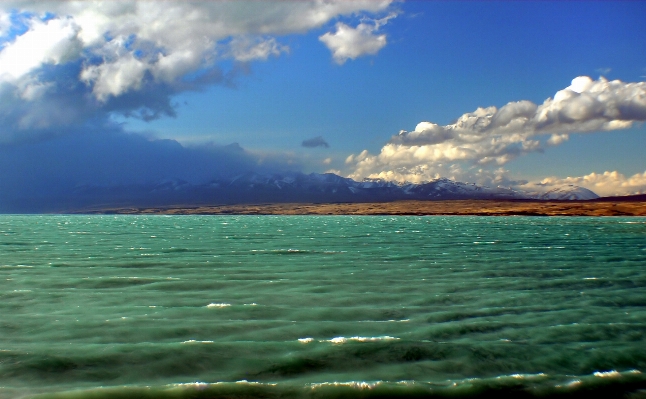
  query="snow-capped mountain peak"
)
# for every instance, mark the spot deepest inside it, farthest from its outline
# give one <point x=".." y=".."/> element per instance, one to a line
<point x="568" y="192"/>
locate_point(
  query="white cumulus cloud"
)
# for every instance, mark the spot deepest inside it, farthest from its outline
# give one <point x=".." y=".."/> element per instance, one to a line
<point x="55" y="41"/>
<point x="350" y="43"/>
<point x="489" y="137"/>
<point x="123" y="73"/>
<point x="5" y="22"/>
<point x="91" y="58"/>
<point x="245" y="49"/>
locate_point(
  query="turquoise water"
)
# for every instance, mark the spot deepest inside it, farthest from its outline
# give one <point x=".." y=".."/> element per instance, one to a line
<point x="321" y="306"/>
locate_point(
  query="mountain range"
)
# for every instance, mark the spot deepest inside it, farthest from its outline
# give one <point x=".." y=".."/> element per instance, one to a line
<point x="299" y="187"/>
<point x="278" y="188"/>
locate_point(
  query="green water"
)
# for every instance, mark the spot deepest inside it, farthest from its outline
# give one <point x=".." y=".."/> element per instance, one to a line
<point x="329" y="306"/>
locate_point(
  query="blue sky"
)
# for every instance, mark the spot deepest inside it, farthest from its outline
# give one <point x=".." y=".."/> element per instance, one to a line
<point x="264" y="75"/>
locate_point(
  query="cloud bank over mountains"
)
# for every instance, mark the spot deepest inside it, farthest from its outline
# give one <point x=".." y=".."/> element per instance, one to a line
<point x="604" y="184"/>
<point x="475" y="147"/>
<point x="52" y="174"/>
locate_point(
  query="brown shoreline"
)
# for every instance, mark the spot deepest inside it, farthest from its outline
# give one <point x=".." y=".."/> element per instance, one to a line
<point x="452" y="207"/>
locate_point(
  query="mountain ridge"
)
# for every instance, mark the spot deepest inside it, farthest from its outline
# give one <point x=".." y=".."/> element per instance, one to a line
<point x="290" y="187"/>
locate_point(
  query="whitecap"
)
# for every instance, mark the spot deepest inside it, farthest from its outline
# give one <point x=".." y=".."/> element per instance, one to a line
<point x="352" y="384"/>
<point x="192" y="341"/>
<point x="607" y="374"/>
<point x="343" y="340"/>
<point x="245" y="382"/>
<point x="528" y="376"/>
<point x="249" y="382"/>
<point x="218" y="305"/>
<point x="192" y="384"/>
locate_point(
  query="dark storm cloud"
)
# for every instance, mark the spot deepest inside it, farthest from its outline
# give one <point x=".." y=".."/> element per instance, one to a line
<point x="34" y="173"/>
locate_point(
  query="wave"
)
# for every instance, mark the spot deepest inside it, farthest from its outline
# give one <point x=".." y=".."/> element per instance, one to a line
<point x="631" y="383"/>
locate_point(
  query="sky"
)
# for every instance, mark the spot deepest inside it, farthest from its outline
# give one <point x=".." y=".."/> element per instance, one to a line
<point x="527" y="95"/>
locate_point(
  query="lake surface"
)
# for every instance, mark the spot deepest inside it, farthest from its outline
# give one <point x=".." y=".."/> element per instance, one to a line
<point x="321" y="306"/>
